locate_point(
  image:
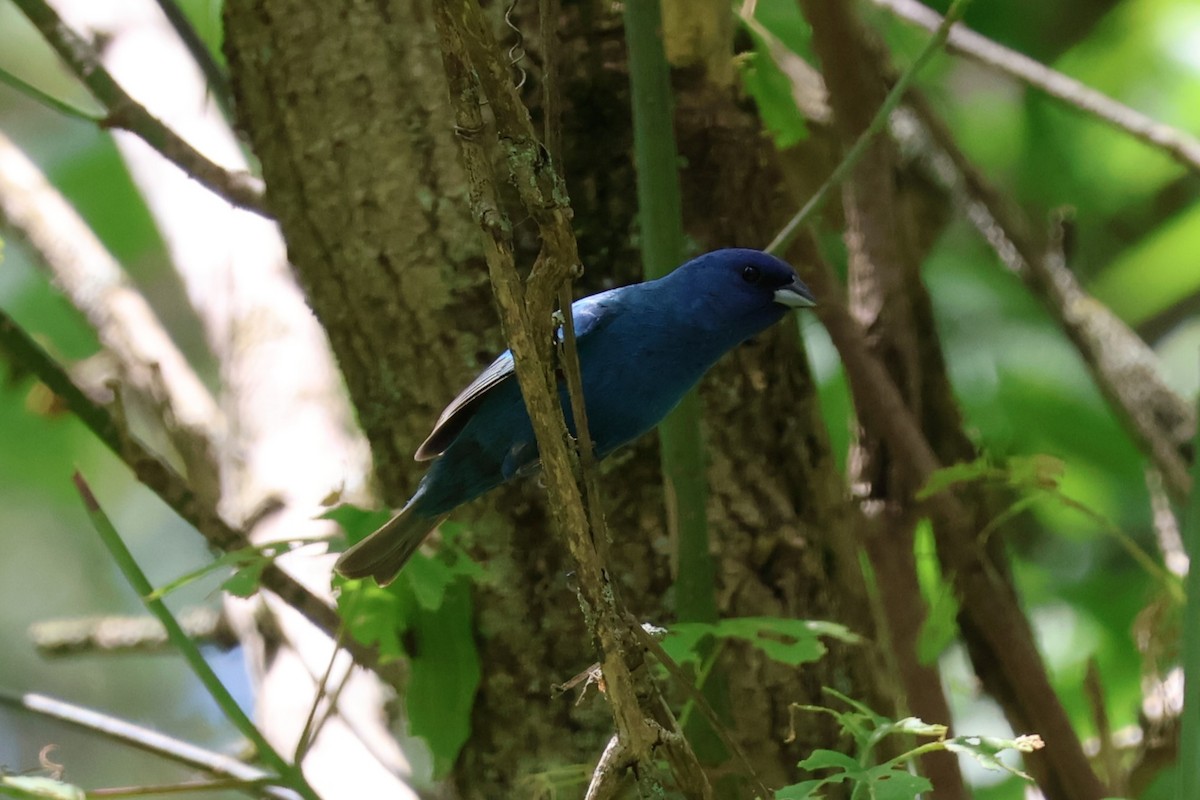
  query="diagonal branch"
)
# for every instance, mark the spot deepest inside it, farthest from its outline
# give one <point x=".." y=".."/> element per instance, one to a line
<point x="1123" y="366"/>
<point x="148" y="362"/>
<point x="162" y="479"/>
<point x="1178" y="145"/>
<point x="146" y="740"/>
<point x="125" y="113"/>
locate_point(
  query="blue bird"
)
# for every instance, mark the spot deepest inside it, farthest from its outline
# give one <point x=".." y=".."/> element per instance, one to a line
<point x="641" y="348"/>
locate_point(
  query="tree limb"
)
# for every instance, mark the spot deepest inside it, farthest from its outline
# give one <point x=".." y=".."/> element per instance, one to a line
<point x="1183" y="148"/>
<point x="124" y="112"/>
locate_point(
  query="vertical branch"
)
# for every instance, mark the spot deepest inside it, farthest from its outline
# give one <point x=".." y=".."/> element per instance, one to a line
<point x="474" y="71"/>
<point x="1189" y="745"/>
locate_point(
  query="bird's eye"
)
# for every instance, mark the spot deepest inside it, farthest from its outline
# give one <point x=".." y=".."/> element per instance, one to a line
<point x="751" y="273"/>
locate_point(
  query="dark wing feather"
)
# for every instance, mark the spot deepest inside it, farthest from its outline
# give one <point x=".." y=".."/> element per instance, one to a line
<point x="590" y="315"/>
<point x="456" y="415"/>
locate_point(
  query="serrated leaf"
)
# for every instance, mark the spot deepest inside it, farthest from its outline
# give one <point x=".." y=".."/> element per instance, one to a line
<point x="831" y="759"/>
<point x="892" y="783"/>
<point x="788" y="641"/>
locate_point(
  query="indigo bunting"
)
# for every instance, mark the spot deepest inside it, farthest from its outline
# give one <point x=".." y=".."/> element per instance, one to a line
<point x="641" y="348"/>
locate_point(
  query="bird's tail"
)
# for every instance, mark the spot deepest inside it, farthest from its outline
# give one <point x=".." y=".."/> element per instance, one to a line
<point x="385" y="552"/>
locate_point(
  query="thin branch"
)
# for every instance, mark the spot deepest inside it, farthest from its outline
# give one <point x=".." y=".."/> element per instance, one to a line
<point x="162" y="479"/>
<point x="144" y="739"/>
<point x="1183" y="148"/>
<point x="785" y="237"/>
<point x="240" y="189"/>
<point x="112" y="635"/>
<point x="148" y="361"/>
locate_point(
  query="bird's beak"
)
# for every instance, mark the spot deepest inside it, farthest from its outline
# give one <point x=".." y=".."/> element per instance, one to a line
<point x="795" y="295"/>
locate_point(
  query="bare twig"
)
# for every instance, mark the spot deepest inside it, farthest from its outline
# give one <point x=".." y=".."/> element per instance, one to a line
<point x="610" y="776"/>
<point x="148" y="362"/>
<point x="143" y="739"/>
<point x="58" y="638"/>
<point x="781" y="241"/>
<point x="240" y="189"/>
<point x="1181" y="147"/>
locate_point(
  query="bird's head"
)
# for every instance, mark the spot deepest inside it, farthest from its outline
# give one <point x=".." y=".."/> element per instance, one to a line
<point x="741" y="292"/>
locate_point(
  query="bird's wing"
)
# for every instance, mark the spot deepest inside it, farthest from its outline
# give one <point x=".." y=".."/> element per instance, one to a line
<point x="590" y="315"/>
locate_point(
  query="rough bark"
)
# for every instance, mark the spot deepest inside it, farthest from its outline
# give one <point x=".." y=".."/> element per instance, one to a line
<point x="344" y="105"/>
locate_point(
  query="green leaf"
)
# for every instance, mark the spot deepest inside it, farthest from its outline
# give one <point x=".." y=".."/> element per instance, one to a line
<point x="831" y="759"/>
<point x="788" y="641"/>
<point x="358" y="523"/>
<point x="805" y="790"/>
<point x="1038" y="471"/>
<point x="34" y="788"/>
<point x="444" y="674"/>
<point x="772" y="93"/>
<point x="895" y="783"/>
<point x="245" y="582"/>
<point x="987" y="749"/>
<point x="375" y="615"/>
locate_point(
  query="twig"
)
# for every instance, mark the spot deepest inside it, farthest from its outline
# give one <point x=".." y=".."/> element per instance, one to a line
<point x="162" y="479"/>
<point x="1181" y="147"/>
<point x="144" y="739"/>
<point x="290" y="774"/>
<point x="148" y="361"/>
<point x="609" y="776"/>
<point x="785" y="237"/>
<point x="1093" y="687"/>
<point x="113" y="635"/>
<point x="697" y="696"/>
<point x="124" y="112"/>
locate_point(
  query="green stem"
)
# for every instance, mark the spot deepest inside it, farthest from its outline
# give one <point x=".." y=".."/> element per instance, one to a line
<point x="289" y="774"/>
<point x="661" y="217"/>
<point x="784" y="238"/>
<point x="1189" y="744"/>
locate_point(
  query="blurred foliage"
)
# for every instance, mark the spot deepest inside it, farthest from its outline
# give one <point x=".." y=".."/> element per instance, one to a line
<point x="1021" y="385"/>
